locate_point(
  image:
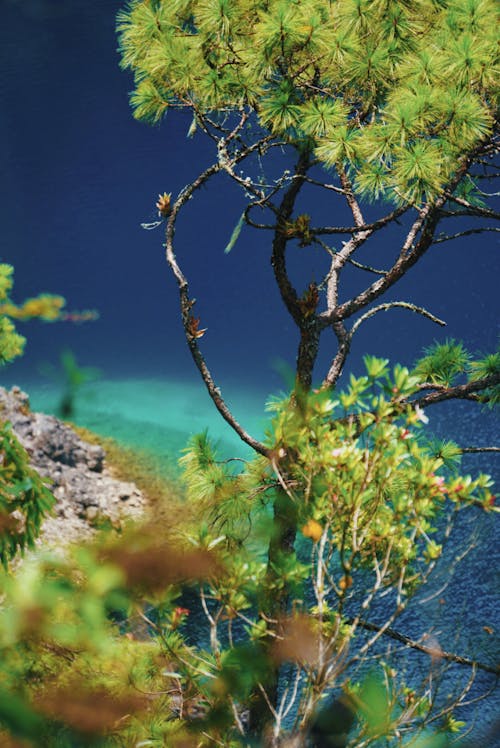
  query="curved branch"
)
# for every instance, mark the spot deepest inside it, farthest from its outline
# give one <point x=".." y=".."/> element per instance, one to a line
<point x="403" y="305"/>
<point x="344" y="338"/>
<point x="350" y="198"/>
<point x="368" y="268"/>
<point x="186" y="311"/>
<point x="332" y="252"/>
<point x="324" y="185"/>
<point x="278" y="260"/>
<point x="411" y="251"/>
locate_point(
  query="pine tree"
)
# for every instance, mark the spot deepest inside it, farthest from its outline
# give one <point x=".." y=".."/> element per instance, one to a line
<point x="393" y="103"/>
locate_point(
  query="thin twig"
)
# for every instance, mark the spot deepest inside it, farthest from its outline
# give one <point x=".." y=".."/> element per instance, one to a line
<point x="393" y="304"/>
<point x="446" y="238"/>
<point x="449" y="656"/>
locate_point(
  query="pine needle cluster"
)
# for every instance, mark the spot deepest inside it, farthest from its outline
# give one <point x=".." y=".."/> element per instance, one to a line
<point x="394" y="92"/>
<point x="446" y="364"/>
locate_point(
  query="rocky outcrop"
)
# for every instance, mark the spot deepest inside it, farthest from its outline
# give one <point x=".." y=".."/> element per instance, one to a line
<point x="76" y="471"/>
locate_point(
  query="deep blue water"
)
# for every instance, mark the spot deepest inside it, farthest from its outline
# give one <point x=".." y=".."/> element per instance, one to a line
<point x="80" y="175"/>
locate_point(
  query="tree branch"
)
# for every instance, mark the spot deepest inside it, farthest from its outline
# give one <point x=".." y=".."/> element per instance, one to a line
<point x="473" y="210"/>
<point x="445" y="238"/>
<point x="458" y="392"/>
<point x="351" y="200"/>
<point x="186" y="311"/>
<point x="401" y="304"/>
<point x="324" y="185"/>
<point x="344" y="338"/>
<point x="332" y="252"/>
<point x="431" y="651"/>
<point x="378" y="224"/>
<point x="278" y="260"/>
<point x="411" y="251"/>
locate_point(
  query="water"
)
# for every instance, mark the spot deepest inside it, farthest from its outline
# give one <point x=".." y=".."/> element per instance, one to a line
<point x="81" y="176"/>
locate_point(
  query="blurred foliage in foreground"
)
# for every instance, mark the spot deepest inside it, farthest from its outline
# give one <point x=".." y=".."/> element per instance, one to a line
<point x="97" y="644"/>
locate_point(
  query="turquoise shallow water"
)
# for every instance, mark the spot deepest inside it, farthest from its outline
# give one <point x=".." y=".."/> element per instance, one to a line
<point x="159" y="416"/>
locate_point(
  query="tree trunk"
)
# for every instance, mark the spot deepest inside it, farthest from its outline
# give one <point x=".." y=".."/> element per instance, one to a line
<point x="281" y="555"/>
<point x="307" y="354"/>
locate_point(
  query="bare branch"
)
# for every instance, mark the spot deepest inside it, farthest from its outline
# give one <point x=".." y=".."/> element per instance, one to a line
<point x="495" y="175"/>
<point x="378" y="224"/>
<point x="351" y="200"/>
<point x="254" y="224"/>
<point x="404" y="262"/>
<point x="186" y="311"/>
<point x="331" y="251"/>
<point x="401" y="304"/>
<point x="324" y="185"/>
<point x="446" y="238"/>
<point x="473" y="450"/>
<point x="344" y="338"/>
<point x="449" y="656"/>
<point x="368" y="268"/>
<point x="411" y="251"/>
<point x="278" y="261"/>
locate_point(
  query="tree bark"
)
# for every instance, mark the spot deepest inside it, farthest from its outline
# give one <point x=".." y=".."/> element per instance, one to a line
<point x="307" y="353"/>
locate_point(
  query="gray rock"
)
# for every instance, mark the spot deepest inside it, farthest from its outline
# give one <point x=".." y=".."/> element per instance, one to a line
<point x="76" y="471"/>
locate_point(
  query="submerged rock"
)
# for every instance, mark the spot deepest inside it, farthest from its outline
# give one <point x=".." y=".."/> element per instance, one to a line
<point x="77" y="474"/>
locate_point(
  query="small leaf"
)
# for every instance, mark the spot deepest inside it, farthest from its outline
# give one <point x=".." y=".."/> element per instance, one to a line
<point x="235" y="234"/>
<point x="192" y="127"/>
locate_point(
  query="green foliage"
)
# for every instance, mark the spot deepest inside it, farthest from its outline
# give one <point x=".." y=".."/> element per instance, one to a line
<point x="443" y="362"/>
<point x="65" y="665"/>
<point x="487" y="367"/>
<point x="46" y="307"/>
<point x="369" y="493"/>
<point x="399" y="100"/>
<point x="224" y="498"/>
<point x="369" y="481"/>
<point x="367" y="85"/>
<point x="447" y="451"/>
<point x="11" y="344"/>
<point x="235" y="235"/>
<point x="24" y="497"/>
